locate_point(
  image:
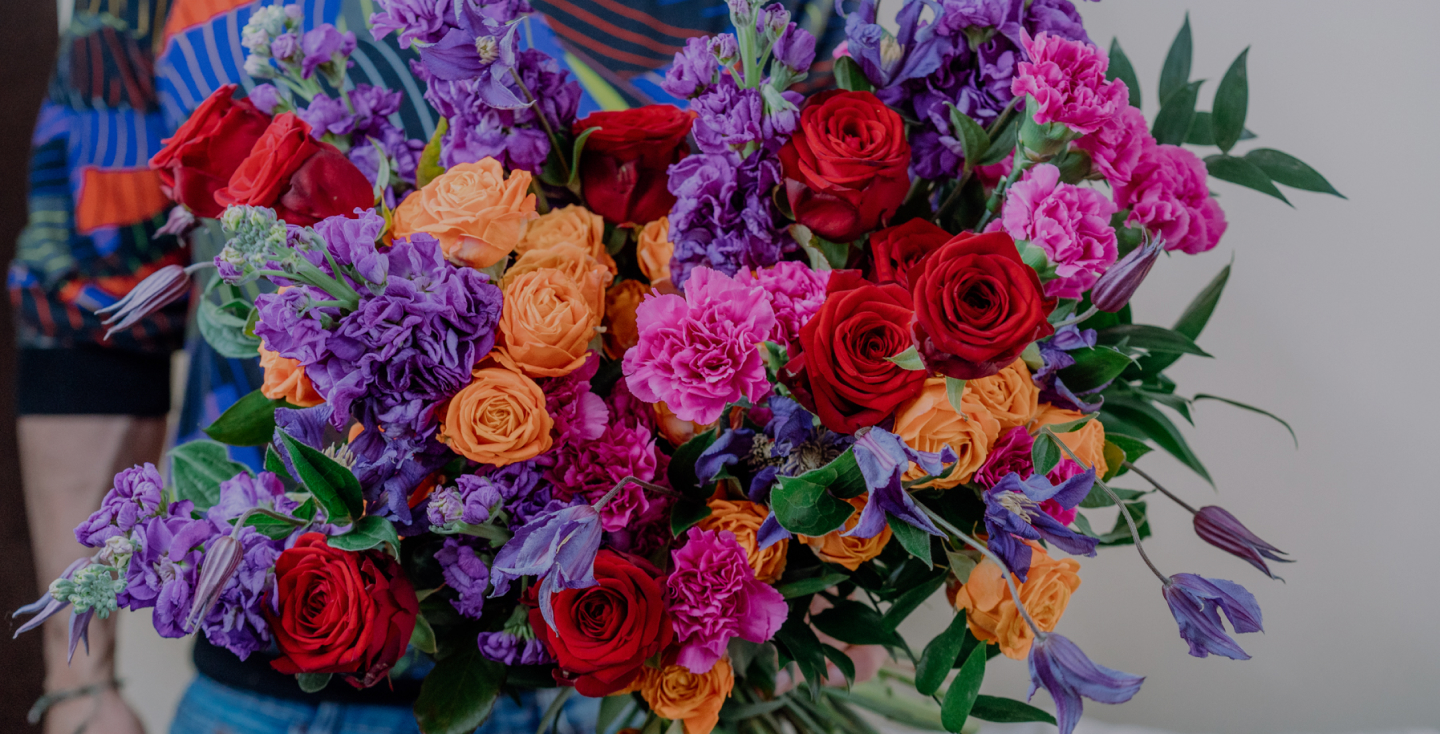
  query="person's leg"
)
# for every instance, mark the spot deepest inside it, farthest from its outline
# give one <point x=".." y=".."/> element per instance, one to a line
<point x="67" y="463"/>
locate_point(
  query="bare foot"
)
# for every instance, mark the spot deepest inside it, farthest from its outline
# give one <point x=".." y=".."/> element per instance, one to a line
<point x="102" y="713"/>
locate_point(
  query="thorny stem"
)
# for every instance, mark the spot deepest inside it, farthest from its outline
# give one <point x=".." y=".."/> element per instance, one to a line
<point x="1163" y="490"/>
<point x="545" y="123"/>
<point x="1124" y="511"/>
<point x="1004" y="570"/>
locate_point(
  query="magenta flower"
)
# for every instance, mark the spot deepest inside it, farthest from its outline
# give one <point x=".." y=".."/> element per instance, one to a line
<point x="1067" y="80"/>
<point x="796" y="293"/>
<point x="1117" y="147"/>
<point x="589" y="469"/>
<point x="1071" y="223"/>
<point x="714" y="596"/>
<point x="700" y="352"/>
<point x="1167" y="195"/>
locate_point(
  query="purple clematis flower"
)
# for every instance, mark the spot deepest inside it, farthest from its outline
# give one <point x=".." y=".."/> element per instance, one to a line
<point x="889" y="60"/>
<point x="1012" y="511"/>
<point x="156" y="291"/>
<point x="1197" y="602"/>
<point x="728" y="450"/>
<point x="484" y="49"/>
<point x="883" y="459"/>
<point x="1216" y="526"/>
<point x="1055" y="352"/>
<point x="1058" y="666"/>
<point x="559" y="544"/>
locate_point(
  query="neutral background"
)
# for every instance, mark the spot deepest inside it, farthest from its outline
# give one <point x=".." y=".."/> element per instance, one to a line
<point x="1328" y="321"/>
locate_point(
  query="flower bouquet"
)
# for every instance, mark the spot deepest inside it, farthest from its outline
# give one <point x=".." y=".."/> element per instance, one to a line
<point x="685" y="410"/>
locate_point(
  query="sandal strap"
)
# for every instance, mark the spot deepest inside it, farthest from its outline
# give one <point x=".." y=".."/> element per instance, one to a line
<point x="45" y="702"/>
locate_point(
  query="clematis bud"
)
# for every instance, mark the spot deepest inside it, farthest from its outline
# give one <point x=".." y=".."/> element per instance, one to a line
<point x="1059" y="666"/>
<point x="1120" y="282"/>
<point x="160" y="289"/>
<point x="79" y="632"/>
<point x="216" y="570"/>
<point x="47" y="605"/>
<point x="1216" y="526"/>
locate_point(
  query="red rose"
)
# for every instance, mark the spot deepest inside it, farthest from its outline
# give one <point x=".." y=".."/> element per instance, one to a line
<point x="340" y="611"/>
<point x="604" y="634"/>
<point x="896" y="248"/>
<point x="846" y="166"/>
<point x="623" y="171"/>
<point x="303" y="179"/>
<point x="977" y="306"/>
<point x="845" y="344"/>
<point x="200" y="157"/>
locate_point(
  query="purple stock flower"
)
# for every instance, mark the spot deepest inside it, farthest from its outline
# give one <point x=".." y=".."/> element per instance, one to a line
<point x="284" y="46"/>
<point x="1197" y="602"/>
<point x="693" y="71"/>
<point x="324" y="45"/>
<point x="138" y="493"/>
<point x="466" y="573"/>
<point x="265" y="97"/>
<point x="728" y="117"/>
<point x="162" y="571"/>
<point x="559" y="544"/>
<point x="795" y="48"/>
<point x="1058" y="666"/>
<point x="415" y="20"/>
<point x="1114" y="289"/>
<point x="478" y="495"/>
<point x="327" y="115"/>
<point x="534" y="653"/>
<point x="883" y="459"/>
<point x="237" y="620"/>
<point x="1012" y="511"/>
<point x="725" y="48"/>
<point x="500" y="646"/>
<point x="724" y="217"/>
<point x="1216" y="526"/>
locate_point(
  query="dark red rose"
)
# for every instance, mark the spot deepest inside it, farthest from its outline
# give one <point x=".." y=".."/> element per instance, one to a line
<point x="851" y="385"/>
<point x="604" y="634"/>
<point x="200" y="157"/>
<point x="303" y="179"/>
<point x="846" y="167"/>
<point x="895" y="249"/>
<point x="340" y="611"/>
<point x="977" y="306"/>
<point x="623" y="171"/>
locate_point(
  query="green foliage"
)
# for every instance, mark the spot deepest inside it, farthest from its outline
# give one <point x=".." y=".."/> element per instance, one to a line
<point x="1191" y="322"/>
<point x="1283" y="168"/>
<point x="915" y="541"/>
<point x="423" y="637"/>
<point x="313" y="682"/>
<point x="940" y="656"/>
<point x="1242" y="172"/>
<point x="798" y="641"/>
<point x="1122" y="69"/>
<point x="1094" y="366"/>
<point x="1172" y="123"/>
<point x="1231" y="103"/>
<point x="814" y="585"/>
<point x="1176" y="71"/>
<point x="1044" y="453"/>
<point x="458" y="695"/>
<point x="686" y="513"/>
<point x="198" y="468"/>
<point x="682" y="466"/>
<point x="1149" y="338"/>
<point x="429" y="167"/>
<point x="1152" y="424"/>
<point x="812" y="503"/>
<point x="848" y="76"/>
<point x="222" y="328"/>
<point x="332" y="485"/>
<point x="908" y="360"/>
<point x="856" y="623"/>
<point x="1253" y="409"/>
<point x="369" y="532"/>
<point x="974" y="141"/>
<point x="905" y="604"/>
<point x="960" y="699"/>
<point x="249" y="421"/>
<point x="1007" y="711"/>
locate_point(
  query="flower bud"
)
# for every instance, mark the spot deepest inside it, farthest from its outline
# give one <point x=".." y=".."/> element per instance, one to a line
<point x="216" y="569"/>
<point x="1216" y="526"/>
<point x="740" y="12"/>
<point x="795" y="48"/>
<point x="160" y="289"/>
<point x="725" y="48"/>
<point x="773" y="20"/>
<point x="1120" y="282"/>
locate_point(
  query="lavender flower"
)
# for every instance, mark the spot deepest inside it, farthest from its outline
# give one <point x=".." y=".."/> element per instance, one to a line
<point x="559" y="544"/>
<point x="1216" y="526"/>
<point x="1059" y="667"/>
<point x="414" y="20"/>
<point x="1012" y="511"/>
<point x="1197" y="602"/>
<point x="465" y="572"/>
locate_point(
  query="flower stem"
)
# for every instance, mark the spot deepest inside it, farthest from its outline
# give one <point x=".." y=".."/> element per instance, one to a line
<point x="633" y="480"/>
<point x="1163" y="490"/>
<point x="544" y="122"/>
<point x="1004" y="570"/>
<point x="997" y="197"/>
<point x="954" y="197"/>
<point x="1073" y="320"/>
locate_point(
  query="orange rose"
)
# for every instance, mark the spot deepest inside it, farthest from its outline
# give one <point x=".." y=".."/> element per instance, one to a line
<point x="1088" y="442"/>
<point x="592" y="277"/>
<point x="620" y="304"/>
<point x="675" y="430"/>
<point x="679" y="695"/>
<point x="991" y="612"/>
<point x="848" y="552"/>
<point x="1010" y="395"/>
<point x="574" y="225"/>
<point x="654" y="251"/>
<point x="546" y="324"/>
<point x="498" y="419"/>
<point x="477" y="214"/>
<point x="743" y="519"/>
<point x="286" y="380"/>
<point x="928" y="423"/>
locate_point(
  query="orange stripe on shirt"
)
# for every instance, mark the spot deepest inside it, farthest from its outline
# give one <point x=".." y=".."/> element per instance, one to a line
<point x="602" y="49"/>
<point x="609" y="28"/>
<point x="115" y="198"/>
<point x="188" y="14"/>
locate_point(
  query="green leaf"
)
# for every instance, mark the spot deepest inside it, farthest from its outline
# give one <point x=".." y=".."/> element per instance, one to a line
<point x="939" y="656"/>
<point x="855" y="623"/>
<point x="1094" y="366"/>
<point x="459" y="693"/>
<point x="1150" y="338"/>
<point x="876" y="697"/>
<point x="273" y="528"/>
<point x="961" y="564"/>
<point x="974" y="141"/>
<point x="312" y="682"/>
<point x="1044" y="453"/>
<point x="370" y="531"/>
<point x="841" y="660"/>
<point x="429" y="167"/>
<point x="960" y="699"/>
<point x="334" y="487"/>
<point x="908" y="360"/>
<point x="1172" y="123"/>
<point x="224" y="330"/>
<point x="801" y="644"/>
<point x="806" y="587"/>
<point x="249" y="421"/>
<point x="807" y="509"/>
<point x="611" y="707"/>
<point x="1099" y="498"/>
<point x="682" y="466"/>
<point x="274" y="464"/>
<point x="1286" y="169"/>
<point x="423" y="638"/>
<point x="1134" y="448"/>
<point x="955" y="392"/>
<point x="686" y="513"/>
<point x="836" y="254"/>
<point x="1176" y="71"/>
<point x="848" y="76"/>
<point x="198" y="468"/>
<point x="1007" y="711"/>
<point x="905" y="604"/>
<point x="915" y="541"/>
<point x="1253" y="409"/>
<point x="1120" y="534"/>
<point x="577" y="151"/>
<point x="1158" y="428"/>
<point x="1003" y="143"/>
<point x="1122" y="69"/>
<point x="1069" y="426"/>
<point x="1114" y="460"/>
<point x="1242" y="172"/>
<point x="1232" y="98"/>
<point x="1192" y="321"/>
<point x="1202" y="130"/>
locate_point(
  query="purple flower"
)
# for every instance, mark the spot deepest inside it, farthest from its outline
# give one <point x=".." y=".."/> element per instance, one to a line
<point x="535" y="653"/>
<point x="138" y="493"/>
<point x="1059" y="667"/>
<point x="724" y="217"/>
<point x="158" y="290"/>
<point x="324" y="45"/>
<point x="284" y="46"/>
<point x="266" y="98"/>
<point x="422" y="20"/>
<point x="728" y="117"/>
<point x="1055" y="354"/>
<point x="523" y="488"/>
<point x="795" y="48"/>
<point x="889" y="60"/>
<point x="725" y="48"/>
<point x="327" y="115"/>
<point x="162" y="571"/>
<point x="500" y="646"/>
<point x="1114" y="289"/>
<point x="1012" y="512"/>
<point x="559" y="544"/>
<point x="693" y="71"/>
<point x="1216" y="526"/>
<point x="486" y="52"/>
<point x="466" y="573"/>
<point x="237" y="621"/>
<point x="1197" y="602"/>
<point x="479" y="495"/>
<point x="883" y="459"/>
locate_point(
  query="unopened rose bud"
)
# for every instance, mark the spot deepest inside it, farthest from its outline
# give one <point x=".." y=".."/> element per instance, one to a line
<point x="1120" y="282"/>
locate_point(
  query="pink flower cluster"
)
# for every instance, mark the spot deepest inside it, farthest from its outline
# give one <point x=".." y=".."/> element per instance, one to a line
<point x="1067" y="80"/>
<point x="1011" y="454"/>
<point x="1167" y="194"/>
<point x="714" y="596"/>
<point x="1071" y="223"/>
<point x="1117" y="147"/>
<point x="795" y="292"/>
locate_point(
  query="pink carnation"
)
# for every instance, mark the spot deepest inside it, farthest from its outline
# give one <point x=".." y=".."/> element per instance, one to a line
<point x="795" y="291"/>
<point x="700" y="352"/>
<point x="1116" y="148"/>
<point x="579" y="415"/>
<point x="714" y="596"/>
<point x="1011" y="454"/>
<point x="1071" y="223"/>
<point x="589" y="469"/>
<point x="1067" y="79"/>
<point x="1167" y="194"/>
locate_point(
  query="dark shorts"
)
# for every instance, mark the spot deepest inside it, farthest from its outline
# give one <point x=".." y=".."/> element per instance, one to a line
<point x="91" y="380"/>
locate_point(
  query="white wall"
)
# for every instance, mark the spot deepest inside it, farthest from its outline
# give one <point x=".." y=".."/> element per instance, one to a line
<point x="1328" y="321"/>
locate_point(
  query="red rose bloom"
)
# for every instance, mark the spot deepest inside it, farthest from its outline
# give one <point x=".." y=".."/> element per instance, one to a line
<point x="623" y="171"/>
<point x="340" y="611"/>
<point x="896" y="248"/>
<point x="303" y="179"/>
<point x="851" y="384"/>
<point x="846" y="167"/>
<point x="200" y="157"/>
<point x="604" y="633"/>
<point x="977" y="306"/>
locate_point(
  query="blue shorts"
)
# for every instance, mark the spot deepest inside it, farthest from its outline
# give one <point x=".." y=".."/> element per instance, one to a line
<point x="212" y="708"/>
